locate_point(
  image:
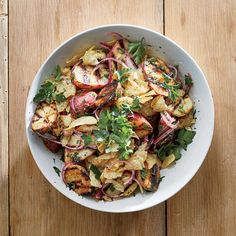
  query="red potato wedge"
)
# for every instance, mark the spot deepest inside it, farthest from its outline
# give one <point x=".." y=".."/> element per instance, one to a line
<point x="151" y="179"/>
<point x="106" y="95"/>
<point x="139" y="122"/>
<point x="142" y="126"/>
<point x="80" y="103"/>
<point x="53" y="147"/>
<point x="85" y="79"/>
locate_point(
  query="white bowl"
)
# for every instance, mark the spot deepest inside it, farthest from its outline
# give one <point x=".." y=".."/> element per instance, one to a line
<point x="176" y="177"/>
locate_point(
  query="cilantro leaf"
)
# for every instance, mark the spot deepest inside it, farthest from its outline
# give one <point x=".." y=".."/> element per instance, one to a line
<point x="137" y="50"/>
<point x="96" y="171"/>
<point x="87" y="139"/>
<point x="185" y="137"/>
<point x="57" y="170"/>
<point x="188" y="80"/>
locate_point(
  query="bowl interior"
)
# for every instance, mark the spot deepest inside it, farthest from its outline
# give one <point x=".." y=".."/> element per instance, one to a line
<point x="175" y="177"/>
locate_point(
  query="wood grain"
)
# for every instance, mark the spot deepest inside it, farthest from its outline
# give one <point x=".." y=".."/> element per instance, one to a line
<point x="37" y="27"/>
<point x="207" y="29"/>
<point x="4" y="119"/>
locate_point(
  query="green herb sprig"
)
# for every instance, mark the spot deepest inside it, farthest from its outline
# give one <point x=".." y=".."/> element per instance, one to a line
<point x="137" y="50"/>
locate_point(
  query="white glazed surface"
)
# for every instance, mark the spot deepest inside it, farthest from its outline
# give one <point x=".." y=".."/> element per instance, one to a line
<point x="177" y="176"/>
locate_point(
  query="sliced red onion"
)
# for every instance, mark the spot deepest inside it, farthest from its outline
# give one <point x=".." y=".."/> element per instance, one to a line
<point x="163" y="135"/>
<point x="96" y="113"/>
<point x="168" y="119"/>
<point x="105" y="45"/>
<point x="108" y="195"/>
<point x="129" y="181"/>
<point x="117" y="35"/>
<point x="113" y="59"/>
<point x="58" y="142"/>
<point x="140" y="186"/>
<point x="175" y="71"/>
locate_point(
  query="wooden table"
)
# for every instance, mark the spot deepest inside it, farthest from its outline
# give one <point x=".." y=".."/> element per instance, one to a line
<point x="30" y="30"/>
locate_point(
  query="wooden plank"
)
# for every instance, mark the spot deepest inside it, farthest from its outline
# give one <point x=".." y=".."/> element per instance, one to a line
<point x="37" y="27"/>
<point x="3" y="7"/>
<point x="207" y="29"/>
<point x="4" y="119"/>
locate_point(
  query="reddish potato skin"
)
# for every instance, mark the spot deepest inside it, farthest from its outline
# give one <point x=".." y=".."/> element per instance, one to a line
<point x="85" y="74"/>
<point x="106" y="95"/>
<point x="80" y="103"/>
<point x="53" y="147"/>
<point x="142" y="126"/>
<point x="139" y="122"/>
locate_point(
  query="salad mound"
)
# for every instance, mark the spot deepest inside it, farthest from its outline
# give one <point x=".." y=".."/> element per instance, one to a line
<point x="119" y="115"/>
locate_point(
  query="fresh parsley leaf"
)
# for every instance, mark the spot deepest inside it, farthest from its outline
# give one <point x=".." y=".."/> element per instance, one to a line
<point x="47" y="90"/>
<point x="185" y="137"/>
<point x="114" y="127"/>
<point x="112" y="188"/>
<point x="122" y="75"/>
<point x="96" y="171"/>
<point x="173" y="92"/>
<point x="168" y="149"/>
<point x="137" y="50"/>
<point x="71" y="185"/>
<point x="45" y="93"/>
<point x="57" y="170"/>
<point x="60" y="97"/>
<point x="87" y="139"/>
<point x="128" y="109"/>
<point x="188" y="80"/>
<point x="58" y="73"/>
<point x="143" y="173"/>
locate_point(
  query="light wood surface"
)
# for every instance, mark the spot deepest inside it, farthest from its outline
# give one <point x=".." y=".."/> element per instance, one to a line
<point x="3" y="119"/>
<point x="36" y="28"/>
<point x="207" y="29"/>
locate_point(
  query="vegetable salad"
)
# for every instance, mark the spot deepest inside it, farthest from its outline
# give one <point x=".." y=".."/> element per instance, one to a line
<point x="119" y="116"/>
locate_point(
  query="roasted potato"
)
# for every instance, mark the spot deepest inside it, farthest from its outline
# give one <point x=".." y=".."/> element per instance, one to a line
<point x="184" y="107"/>
<point x="45" y="117"/>
<point x="85" y="79"/>
<point x="149" y="178"/>
<point x="158" y="104"/>
<point x="77" y="176"/>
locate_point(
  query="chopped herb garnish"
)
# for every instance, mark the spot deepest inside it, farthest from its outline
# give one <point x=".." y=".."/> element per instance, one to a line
<point x="87" y="139"/>
<point x="185" y="137"/>
<point x="71" y="185"/>
<point x="75" y="156"/>
<point x="60" y="97"/>
<point x="137" y="50"/>
<point x="57" y="170"/>
<point x="112" y="188"/>
<point x="128" y="109"/>
<point x="143" y="174"/>
<point x="188" y="80"/>
<point x="58" y="73"/>
<point x="47" y="91"/>
<point x="96" y="171"/>
<point x="114" y="127"/>
<point x="122" y="75"/>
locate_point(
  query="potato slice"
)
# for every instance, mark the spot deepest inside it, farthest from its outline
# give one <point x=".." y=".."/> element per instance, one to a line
<point x="84" y="120"/>
<point x="184" y="107"/>
<point x="168" y="160"/>
<point x="151" y="160"/>
<point x="158" y="104"/>
<point x="45" y="117"/>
